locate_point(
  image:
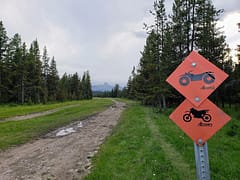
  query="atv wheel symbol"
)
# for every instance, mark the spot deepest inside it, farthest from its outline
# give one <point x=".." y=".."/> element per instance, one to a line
<point x="184" y="80"/>
<point x="208" y="78"/>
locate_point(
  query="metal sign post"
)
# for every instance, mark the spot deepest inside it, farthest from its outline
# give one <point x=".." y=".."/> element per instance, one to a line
<point x="202" y="162"/>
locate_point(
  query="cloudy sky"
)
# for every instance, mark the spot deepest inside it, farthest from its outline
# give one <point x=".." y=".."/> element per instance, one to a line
<point x="102" y="36"/>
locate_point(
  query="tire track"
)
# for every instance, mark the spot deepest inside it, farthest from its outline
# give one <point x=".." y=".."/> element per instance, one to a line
<point x="169" y="151"/>
<point x="37" y="114"/>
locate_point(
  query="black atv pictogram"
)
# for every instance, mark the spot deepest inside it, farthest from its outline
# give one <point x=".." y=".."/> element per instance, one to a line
<point x="208" y="78"/>
<point x="197" y="114"/>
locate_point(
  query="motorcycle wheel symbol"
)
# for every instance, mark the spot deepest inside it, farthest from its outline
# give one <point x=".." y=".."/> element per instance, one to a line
<point x="202" y="114"/>
<point x="205" y="118"/>
<point x="187" y="117"/>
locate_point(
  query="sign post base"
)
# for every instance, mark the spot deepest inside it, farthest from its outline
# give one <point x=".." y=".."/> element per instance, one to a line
<point x="202" y="162"/>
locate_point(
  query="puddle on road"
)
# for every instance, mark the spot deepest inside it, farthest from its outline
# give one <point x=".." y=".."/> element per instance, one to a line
<point x="65" y="132"/>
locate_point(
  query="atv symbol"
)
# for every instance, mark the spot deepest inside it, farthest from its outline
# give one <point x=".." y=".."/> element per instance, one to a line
<point x="208" y="78"/>
<point x="197" y="114"/>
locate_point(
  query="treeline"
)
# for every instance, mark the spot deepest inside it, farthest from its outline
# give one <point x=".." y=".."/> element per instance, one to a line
<point x="26" y="76"/>
<point x="116" y="92"/>
<point x="191" y="26"/>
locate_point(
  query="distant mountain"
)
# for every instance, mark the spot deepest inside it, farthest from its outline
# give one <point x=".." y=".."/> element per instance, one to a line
<point x="102" y="87"/>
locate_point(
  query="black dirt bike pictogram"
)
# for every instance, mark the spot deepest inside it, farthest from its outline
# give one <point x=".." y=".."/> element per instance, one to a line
<point x="202" y="114"/>
<point x="207" y="77"/>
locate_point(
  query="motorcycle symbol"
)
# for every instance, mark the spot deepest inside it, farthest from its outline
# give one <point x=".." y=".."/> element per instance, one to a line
<point x="208" y="78"/>
<point x="197" y="114"/>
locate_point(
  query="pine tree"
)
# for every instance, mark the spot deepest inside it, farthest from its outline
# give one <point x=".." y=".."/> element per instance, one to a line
<point x="45" y="73"/>
<point x="116" y="91"/>
<point x="23" y="72"/>
<point x="13" y="63"/>
<point x="148" y="72"/>
<point x="168" y="64"/>
<point x="131" y="85"/>
<point x="52" y="80"/>
<point x="63" y="86"/>
<point x="155" y="58"/>
<point x="86" y="86"/>
<point x="75" y="84"/>
<point x="181" y="26"/>
<point x="130" y="88"/>
<point x="187" y="17"/>
<point x="3" y="47"/>
<point x="160" y="18"/>
<point x="194" y="27"/>
<point x="210" y="41"/>
<point x="34" y="78"/>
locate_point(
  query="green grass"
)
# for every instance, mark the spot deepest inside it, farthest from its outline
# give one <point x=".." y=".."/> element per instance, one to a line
<point x="16" y="110"/>
<point x="13" y="133"/>
<point x="134" y="151"/>
<point x="224" y="149"/>
<point x="147" y="145"/>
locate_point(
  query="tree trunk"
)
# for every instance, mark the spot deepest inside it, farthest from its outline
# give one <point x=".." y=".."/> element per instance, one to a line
<point x="164" y="102"/>
<point x="0" y="86"/>
<point x="193" y="23"/>
<point x="22" y="93"/>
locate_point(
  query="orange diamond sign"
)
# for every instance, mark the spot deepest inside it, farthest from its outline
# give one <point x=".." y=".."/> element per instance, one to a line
<point x="199" y="122"/>
<point x="196" y="78"/>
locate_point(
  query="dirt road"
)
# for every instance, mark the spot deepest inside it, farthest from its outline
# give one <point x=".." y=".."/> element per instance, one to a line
<point x="63" y="154"/>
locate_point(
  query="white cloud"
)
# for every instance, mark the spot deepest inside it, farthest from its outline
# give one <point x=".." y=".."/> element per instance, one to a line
<point x="119" y="54"/>
<point x="59" y="42"/>
<point x="228" y="6"/>
<point x="119" y="44"/>
<point x="230" y="28"/>
<point x="121" y="50"/>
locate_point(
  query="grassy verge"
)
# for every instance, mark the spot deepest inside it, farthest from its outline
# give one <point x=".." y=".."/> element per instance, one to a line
<point x="17" y="132"/>
<point x="133" y="151"/>
<point x="224" y="149"/>
<point x="147" y="145"/>
<point x="17" y="110"/>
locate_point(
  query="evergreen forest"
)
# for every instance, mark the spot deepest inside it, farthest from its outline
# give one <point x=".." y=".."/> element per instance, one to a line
<point x="27" y="76"/>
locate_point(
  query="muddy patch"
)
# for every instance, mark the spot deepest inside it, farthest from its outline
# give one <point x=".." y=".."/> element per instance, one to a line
<point x="69" y="129"/>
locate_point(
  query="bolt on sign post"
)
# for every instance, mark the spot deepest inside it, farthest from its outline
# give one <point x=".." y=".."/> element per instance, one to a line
<point x="196" y="78"/>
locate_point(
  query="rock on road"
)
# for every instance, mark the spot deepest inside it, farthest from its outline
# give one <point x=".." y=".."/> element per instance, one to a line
<point x="66" y="156"/>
